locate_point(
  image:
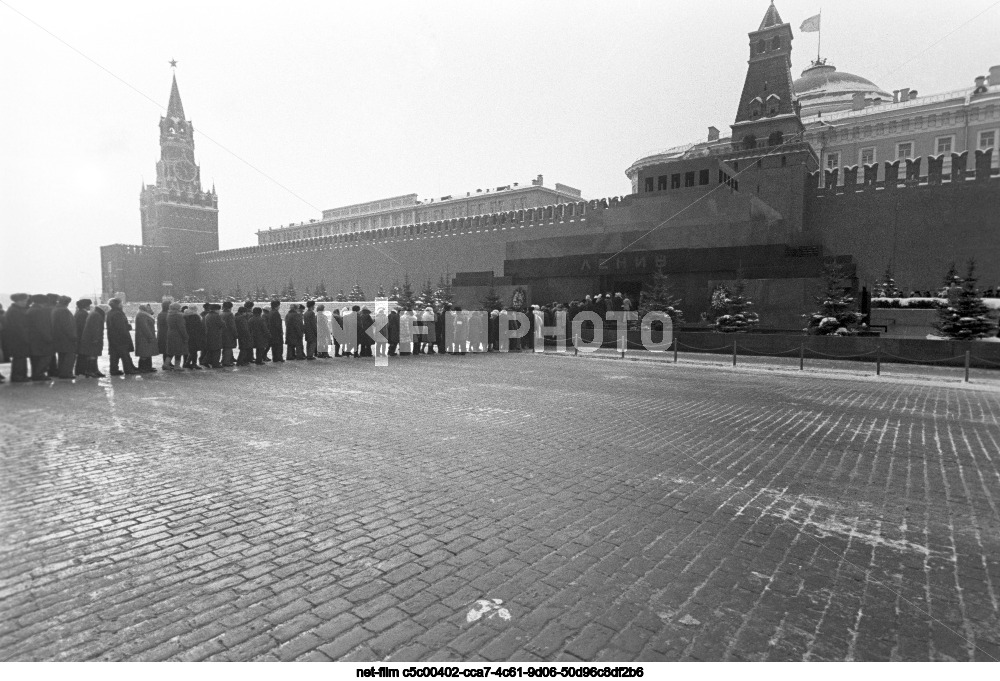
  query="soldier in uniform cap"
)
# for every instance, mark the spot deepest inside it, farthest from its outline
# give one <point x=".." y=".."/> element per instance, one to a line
<point x="16" y="343"/>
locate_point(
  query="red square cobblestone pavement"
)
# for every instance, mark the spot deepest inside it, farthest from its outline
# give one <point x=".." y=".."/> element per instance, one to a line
<point x="620" y="511"/>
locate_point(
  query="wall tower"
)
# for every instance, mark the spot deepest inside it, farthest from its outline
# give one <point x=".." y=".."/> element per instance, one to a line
<point x="177" y="213"/>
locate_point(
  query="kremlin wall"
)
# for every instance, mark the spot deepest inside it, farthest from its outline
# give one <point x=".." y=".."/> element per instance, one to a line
<point x="912" y="184"/>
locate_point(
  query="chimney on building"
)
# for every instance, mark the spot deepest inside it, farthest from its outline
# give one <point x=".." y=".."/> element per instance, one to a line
<point x="994" y="76"/>
<point x="980" y="85"/>
<point x="913" y="94"/>
<point x="858" y="101"/>
<point x="537" y="182"/>
<point x="895" y="96"/>
<point x="713" y="133"/>
<point x="876" y="101"/>
<point x="904" y="94"/>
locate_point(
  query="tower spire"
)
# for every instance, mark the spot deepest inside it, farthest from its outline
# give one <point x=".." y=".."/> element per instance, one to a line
<point x="174" y="107"/>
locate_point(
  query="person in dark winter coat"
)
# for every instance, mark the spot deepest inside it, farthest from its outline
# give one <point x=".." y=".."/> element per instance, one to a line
<point x="229" y="333"/>
<point x="260" y="334"/>
<point x="336" y="321"/>
<point x="365" y="341"/>
<point x="310" y="329"/>
<point x="16" y="344"/>
<point x="293" y="333"/>
<point x="393" y="332"/>
<point x="204" y="358"/>
<point x="214" y="330"/>
<point x="493" y="334"/>
<point x="120" y="344"/>
<point x="3" y="357"/>
<point x="92" y="341"/>
<point x="146" y="345"/>
<point x="39" y="318"/>
<point x="80" y="318"/>
<point x="161" y="329"/>
<point x="195" y="337"/>
<point x="243" y="337"/>
<point x="275" y="331"/>
<point x="381" y="322"/>
<point x="64" y="338"/>
<point x="177" y="338"/>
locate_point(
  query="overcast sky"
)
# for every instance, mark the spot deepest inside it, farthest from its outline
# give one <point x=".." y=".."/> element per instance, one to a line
<point x="348" y="102"/>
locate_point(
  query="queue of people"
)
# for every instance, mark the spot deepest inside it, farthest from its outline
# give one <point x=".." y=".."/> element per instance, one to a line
<point x="42" y="333"/>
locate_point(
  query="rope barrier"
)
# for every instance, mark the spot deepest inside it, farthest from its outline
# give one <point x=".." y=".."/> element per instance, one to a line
<point x="878" y="353"/>
<point x="866" y="354"/>
<point x="769" y="353"/>
<point x="924" y="361"/>
<point x="698" y="349"/>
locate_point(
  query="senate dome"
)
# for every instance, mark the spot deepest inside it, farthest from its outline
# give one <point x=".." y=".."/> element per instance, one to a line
<point x="824" y="89"/>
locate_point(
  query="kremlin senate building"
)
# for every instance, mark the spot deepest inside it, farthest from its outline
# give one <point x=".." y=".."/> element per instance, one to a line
<point x="828" y="166"/>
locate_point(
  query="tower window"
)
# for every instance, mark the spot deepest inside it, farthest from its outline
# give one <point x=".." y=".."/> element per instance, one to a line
<point x="749" y="142"/>
<point x="776" y="43"/>
<point x="661" y="183"/>
<point x="775" y="139"/>
<point x="703" y="176"/>
<point x="689" y="178"/>
<point x="675" y="181"/>
<point x="649" y="184"/>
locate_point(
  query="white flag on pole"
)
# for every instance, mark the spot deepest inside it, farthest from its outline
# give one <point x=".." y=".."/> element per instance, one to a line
<point x="810" y="25"/>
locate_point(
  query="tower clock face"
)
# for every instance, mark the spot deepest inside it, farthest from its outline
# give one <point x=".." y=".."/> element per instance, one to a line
<point x="184" y="170"/>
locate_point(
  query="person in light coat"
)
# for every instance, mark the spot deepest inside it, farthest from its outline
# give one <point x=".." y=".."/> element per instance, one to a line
<point x="406" y="321"/>
<point x="324" y="337"/>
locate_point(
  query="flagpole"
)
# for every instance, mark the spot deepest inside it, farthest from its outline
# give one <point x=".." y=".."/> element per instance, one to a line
<point x="819" y="38"/>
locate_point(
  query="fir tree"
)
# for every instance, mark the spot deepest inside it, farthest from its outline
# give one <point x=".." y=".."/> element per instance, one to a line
<point x="658" y="298"/>
<point x="321" y="293"/>
<point x="290" y="293"/>
<point x="341" y="298"/>
<point x="426" y="297"/>
<point x="951" y="280"/>
<point x="492" y="300"/>
<point x="836" y="314"/>
<point x="356" y="293"/>
<point x="237" y="292"/>
<point x="406" y="298"/>
<point x="736" y="313"/>
<point x="262" y="294"/>
<point x="396" y="291"/>
<point x="887" y="288"/>
<point x="965" y="316"/>
<point x="442" y="294"/>
<point x="381" y="292"/>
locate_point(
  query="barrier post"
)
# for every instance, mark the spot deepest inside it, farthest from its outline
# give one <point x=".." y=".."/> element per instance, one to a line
<point x="676" y="341"/>
<point x="576" y="346"/>
<point x="734" y="353"/>
<point x="624" y="341"/>
<point x="967" y="366"/>
<point x="802" y="356"/>
<point x="878" y="359"/>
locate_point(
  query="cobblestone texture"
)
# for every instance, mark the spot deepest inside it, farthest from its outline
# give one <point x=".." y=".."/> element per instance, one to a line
<point x="619" y="510"/>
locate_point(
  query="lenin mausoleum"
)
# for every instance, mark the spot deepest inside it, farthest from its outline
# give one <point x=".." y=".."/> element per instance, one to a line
<point x="828" y="166"/>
